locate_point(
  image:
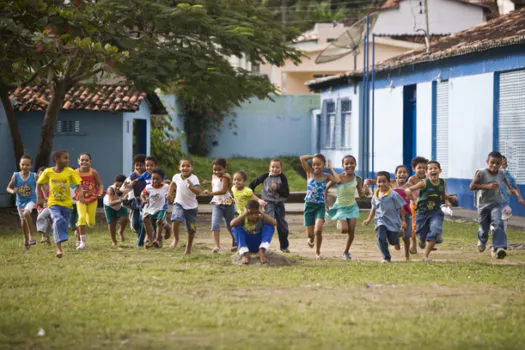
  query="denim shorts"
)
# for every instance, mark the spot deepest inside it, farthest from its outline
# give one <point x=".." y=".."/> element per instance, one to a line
<point x="188" y="216"/>
<point x="429" y="225"/>
<point x="218" y="212"/>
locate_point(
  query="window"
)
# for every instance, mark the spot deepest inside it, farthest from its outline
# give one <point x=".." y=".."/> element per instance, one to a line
<point x="442" y="146"/>
<point x="67" y="127"/>
<point x="328" y="126"/>
<point x="345" y="124"/>
<point x="511" y="121"/>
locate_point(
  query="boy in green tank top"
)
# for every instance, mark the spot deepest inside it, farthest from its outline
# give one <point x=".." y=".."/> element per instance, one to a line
<point x="429" y="216"/>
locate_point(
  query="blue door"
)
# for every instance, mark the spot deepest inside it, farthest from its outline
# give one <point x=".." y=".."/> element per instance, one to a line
<point x="409" y="124"/>
<point x="140" y="136"/>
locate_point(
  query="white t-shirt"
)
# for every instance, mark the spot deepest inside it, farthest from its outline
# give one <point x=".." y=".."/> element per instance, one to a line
<point x="184" y="196"/>
<point x="156" y="199"/>
<point x="115" y="207"/>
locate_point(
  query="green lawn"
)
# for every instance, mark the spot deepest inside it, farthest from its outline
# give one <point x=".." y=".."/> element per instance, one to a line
<point x="253" y="168"/>
<point x="133" y="298"/>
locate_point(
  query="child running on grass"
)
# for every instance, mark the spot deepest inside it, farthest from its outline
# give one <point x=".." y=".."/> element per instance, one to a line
<point x="23" y="185"/>
<point x="429" y="212"/>
<point x="400" y="183"/>
<point x="274" y="192"/>
<point x="115" y="211"/>
<point x="93" y="189"/>
<point x="241" y="193"/>
<point x="314" y="206"/>
<point x="487" y="183"/>
<point x="223" y="207"/>
<point x="154" y="198"/>
<point x="506" y="211"/>
<point x="59" y="178"/>
<point x="187" y="189"/>
<point x="135" y="188"/>
<point x="419" y="166"/>
<point x="253" y="231"/>
<point x="44" y="221"/>
<point x="345" y="209"/>
<point x="388" y="213"/>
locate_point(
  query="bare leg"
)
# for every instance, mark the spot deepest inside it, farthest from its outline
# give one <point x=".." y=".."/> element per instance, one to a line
<point x="262" y="258"/>
<point x="318" y="231"/>
<point x="59" y="250"/>
<point x="149" y="231"/>
<point x="430" y="245"/>
<point x="30" y="224"/>
<point x="82" y="231"/>
<point x="167" y="229"/>
<point x="25" y="232"/>
<point x="310" y="235"/>
<point x="350" y="230"/>
<point x="112" y="227"/>
<point x="175" y="226"/>
<point x="158" y="234"/>
<point x="245" y="259"/>
<point x="191" y="236"/>
<point x="406" y="244"/>
<point x="123" y="223"/>
<point x="216" y="239"/>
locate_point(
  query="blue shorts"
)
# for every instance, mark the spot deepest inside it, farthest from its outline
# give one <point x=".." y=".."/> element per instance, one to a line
<point x="188" y="216"/>
<point x="218" y="212"/>
<point x="429" y="225"/>
<point x="61" y="216"/>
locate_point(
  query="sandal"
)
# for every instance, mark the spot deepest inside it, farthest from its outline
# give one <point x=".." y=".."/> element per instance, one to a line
<point x="27" y="245"/>
<point x="32" y="242"/>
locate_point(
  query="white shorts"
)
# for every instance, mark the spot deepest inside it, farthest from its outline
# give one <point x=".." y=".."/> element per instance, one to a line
<point x="29" y="206"/>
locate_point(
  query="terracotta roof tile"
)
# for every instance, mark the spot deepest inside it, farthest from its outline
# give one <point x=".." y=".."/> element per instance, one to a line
<point x="98" y="98"/>
<point x="502" y="31"/>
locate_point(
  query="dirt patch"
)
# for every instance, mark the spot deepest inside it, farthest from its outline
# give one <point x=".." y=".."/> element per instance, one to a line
<point x="516" y="246"/>
<point x="273" y="259"/>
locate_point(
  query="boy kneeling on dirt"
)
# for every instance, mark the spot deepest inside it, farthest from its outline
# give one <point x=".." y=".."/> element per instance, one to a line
<point x="253" y="231"/>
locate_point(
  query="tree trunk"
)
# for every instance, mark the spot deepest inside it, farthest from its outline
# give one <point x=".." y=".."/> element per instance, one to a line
<point x="18" y="145"/>
<point x="58" y="94"/>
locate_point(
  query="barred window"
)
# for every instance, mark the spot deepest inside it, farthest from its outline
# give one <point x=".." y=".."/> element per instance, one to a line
<point x="328" y="126"/>
<point x="345" y="125"/>
<point x="67" y="127"/>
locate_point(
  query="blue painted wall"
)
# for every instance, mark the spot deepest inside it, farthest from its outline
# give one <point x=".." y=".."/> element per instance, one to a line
<point x="7" y="159"/>
<point x="268" y="129"/>
<point x="174" y="108"/>
<point x="101" y="136"/>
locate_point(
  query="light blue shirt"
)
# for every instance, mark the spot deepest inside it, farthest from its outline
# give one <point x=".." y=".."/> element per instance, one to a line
<point x="504" y="191"/>
<point x="387" y="211"/>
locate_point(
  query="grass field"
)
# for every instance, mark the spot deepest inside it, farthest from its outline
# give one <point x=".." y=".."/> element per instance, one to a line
<point x="253" y="168"/>
<point x="133" y="298"/>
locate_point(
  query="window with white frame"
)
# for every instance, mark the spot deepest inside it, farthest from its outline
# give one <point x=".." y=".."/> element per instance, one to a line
<point x="442" y="146"/>
<point x="67" y="127"/>
<point x="511" y="121"/>
<point x="345" y="124"/>
<point x="328" y="126"/>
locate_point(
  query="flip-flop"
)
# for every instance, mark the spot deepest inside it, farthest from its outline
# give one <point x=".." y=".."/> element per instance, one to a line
<point x="32" y="242"/>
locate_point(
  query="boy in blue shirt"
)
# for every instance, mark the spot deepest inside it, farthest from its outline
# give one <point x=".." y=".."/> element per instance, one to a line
<point x="387" y="209"/>
<point x="23" y="184"/>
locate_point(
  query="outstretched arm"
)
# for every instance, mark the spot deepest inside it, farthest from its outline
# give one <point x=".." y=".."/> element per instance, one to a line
<point x="335" y="175"/>
<point x="10" y="188"/>
<point x="370" y="217"/>
<point x="99" y="183"/>
<point x="306" y="167"/>
<point x="268" y="218"/>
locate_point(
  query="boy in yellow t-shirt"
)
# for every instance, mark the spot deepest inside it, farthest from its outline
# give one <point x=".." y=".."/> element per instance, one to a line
<point x="241" y="193"/>
<point x="60" y="178"/>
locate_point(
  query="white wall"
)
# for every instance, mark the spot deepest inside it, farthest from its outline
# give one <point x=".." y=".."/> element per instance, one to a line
<point x="445" y="17"/>
<point x="471" y="101"/>
<point x="388" y="131"/>
<point x="424" y="120"/>
<point x="127" y="138"/>
<point x="346" y="92"/>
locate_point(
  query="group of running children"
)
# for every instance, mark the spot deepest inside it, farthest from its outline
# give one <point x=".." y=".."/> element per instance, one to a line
<point x="406" y="207"/>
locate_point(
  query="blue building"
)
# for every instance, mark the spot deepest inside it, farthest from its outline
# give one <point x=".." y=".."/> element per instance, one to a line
<point x="111" y="122"/>
<point x="455" y="104"/>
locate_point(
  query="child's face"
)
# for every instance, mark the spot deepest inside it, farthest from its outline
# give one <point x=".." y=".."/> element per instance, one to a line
<point x="185" y="168"/>
<point x="433" y="171"/>
<point x="349" y="165"/>
<point x="504" y="164"/>
<point x="63" y="160"/>
<point x="493" y="164"/>
<point x="275" y="168"/>
<point x="317" y="165"/>
<point x="25" y="165"/>
<point x="140" y="167"/>
<point x="150" y="166"/>
<point x="421" y="170"/>
<point x="156" y="180"/>
<point x="117" y="185"/>
<point x="238" y="181"/>
<point x="252" y="215"/>
<point x="218" y="170"/>
<point x="402" y="174"/>
<point x="84" y="161"/>
<point x="382" y="183"/>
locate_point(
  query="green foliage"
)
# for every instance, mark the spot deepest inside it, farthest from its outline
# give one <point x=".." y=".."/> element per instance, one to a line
<point x="164" y="146"/>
